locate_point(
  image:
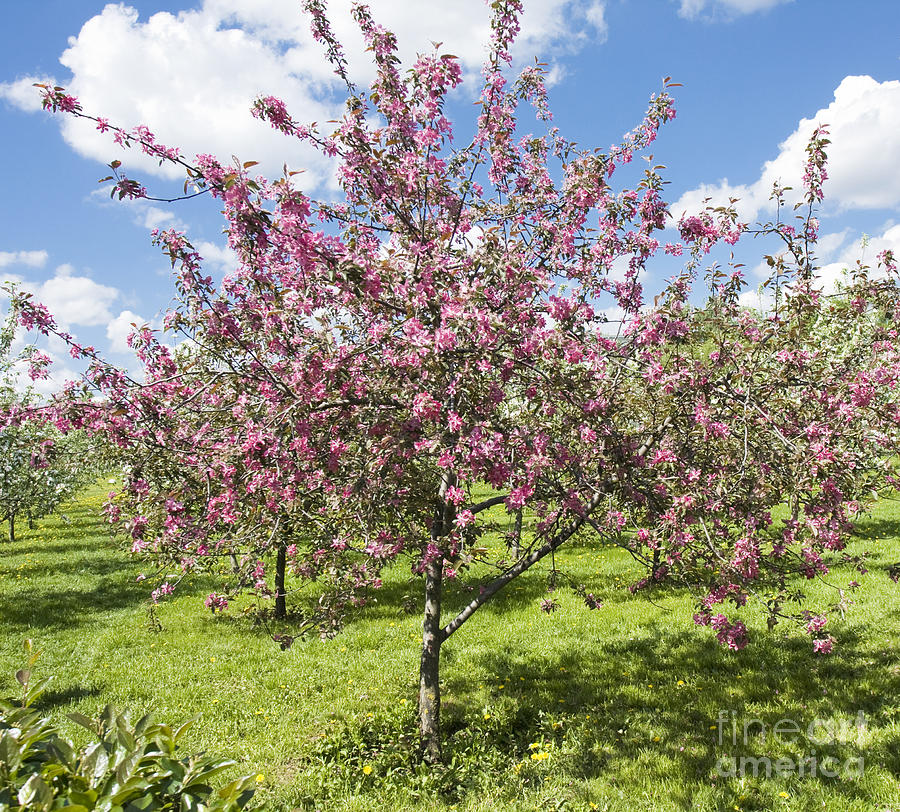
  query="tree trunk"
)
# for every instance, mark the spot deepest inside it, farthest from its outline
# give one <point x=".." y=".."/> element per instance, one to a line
<point x="429" y="667"/>
<point x="12" y="527"/>
<point x="280" y="567"/>
<point x="434" y="635"/>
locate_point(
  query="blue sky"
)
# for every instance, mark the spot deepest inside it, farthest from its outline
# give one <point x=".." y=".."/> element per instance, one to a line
<point x="757" y="75"/>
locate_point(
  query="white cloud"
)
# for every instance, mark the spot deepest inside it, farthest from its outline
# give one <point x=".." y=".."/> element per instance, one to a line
<point x="615" y="320"/>
<point x="759" y="299"/>
<point x="119" y="328"/>
<point x="75" y="299"/>
<point x="863" y="157"/>
<point x="828" y="244"/>
<point x="154" y="217"/>
<point x="220" y="257"/>
<point x="865" y="250"/>
<point x="692" y="9"/>
<point x="22" y="92"/>
<point x="836" y="254"/>
<point x="596" y="16"/>
<point x="462" y="27"/>
<point x="192" y="76"/>
<point x="59" y="374"/>
<point x="32" y="259"/>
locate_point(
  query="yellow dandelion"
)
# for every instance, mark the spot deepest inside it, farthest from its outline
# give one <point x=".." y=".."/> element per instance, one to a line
<point x="260" y="778"/>
<point x="367" y="770"/>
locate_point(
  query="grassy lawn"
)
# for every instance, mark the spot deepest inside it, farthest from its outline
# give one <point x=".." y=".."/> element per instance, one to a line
<point x="613" y="709"/>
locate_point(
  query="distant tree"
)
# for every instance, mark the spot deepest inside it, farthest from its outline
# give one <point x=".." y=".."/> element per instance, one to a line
<point x="40" y="467"/>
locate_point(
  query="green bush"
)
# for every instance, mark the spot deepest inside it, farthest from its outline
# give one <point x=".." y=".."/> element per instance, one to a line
<point x="128" y="768"/>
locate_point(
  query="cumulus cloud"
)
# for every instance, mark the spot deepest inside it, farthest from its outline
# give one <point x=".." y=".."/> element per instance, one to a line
<point x="119" y="328"/>
<point x="759" y="299"/>
<point x="864" y="250"/>
<point x="22" y="92"/>
<point x="154" y="217"/>
<point x="837" y="254"/>
<point x="31" y="259"/>
<point x="863" y="157"/>
<point x="728" y="9"/>
<point x="75" y="300"/>
<point x="191" y="77"/>
<point x="217" y="257"/>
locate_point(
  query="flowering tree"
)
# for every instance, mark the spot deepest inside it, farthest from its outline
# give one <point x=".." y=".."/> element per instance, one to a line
<point x="40" y="467"/>
<point x="369" y="363"/>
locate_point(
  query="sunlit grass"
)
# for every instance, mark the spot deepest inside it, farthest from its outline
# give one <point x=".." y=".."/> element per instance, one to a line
<point x="613" y="709"/>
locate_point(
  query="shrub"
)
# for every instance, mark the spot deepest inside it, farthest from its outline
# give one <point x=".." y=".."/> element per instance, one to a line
<point x="129" y="767"/>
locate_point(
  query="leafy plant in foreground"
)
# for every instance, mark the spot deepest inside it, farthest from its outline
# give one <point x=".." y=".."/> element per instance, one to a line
<point x="128" y="768"/>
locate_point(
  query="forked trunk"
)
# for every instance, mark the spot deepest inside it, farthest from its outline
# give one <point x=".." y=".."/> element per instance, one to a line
<point x="433" y="635"/>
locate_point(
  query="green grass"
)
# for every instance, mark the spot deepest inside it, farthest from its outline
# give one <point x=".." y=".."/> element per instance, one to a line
<point x="612" y="709"/>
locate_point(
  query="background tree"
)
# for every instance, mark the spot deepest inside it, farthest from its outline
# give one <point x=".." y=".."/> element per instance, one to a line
<point x="40" y="466"/>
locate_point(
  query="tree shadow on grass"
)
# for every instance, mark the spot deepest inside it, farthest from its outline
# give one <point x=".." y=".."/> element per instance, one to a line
<point x="64" y="608"/>
<point x="617" y="706"/>
<point x="65" y="696"/>
<point x="57" y="548"/>
<point x="399" y="598"/>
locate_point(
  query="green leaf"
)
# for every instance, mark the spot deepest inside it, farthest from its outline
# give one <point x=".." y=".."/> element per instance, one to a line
<point x="87" y="798"/>
<point x="135" y="787"/>
<point x="84" y="721"/>
<point x="35" y="794"/>
<point x="184" y="728"/>
<point x="236" y="787"/>
<point x="63" y="752"/>
<point x="95" y="762"/>
<point x="206" y="772"/>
